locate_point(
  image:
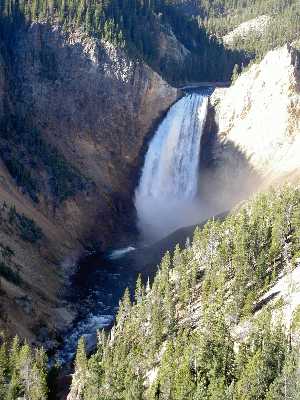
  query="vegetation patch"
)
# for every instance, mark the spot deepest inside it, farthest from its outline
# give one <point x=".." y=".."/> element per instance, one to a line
<point x="197" y="336"/>
<point x="136" y="27"/>
<point x="23" y="371"/>
<point x="222" y="16"/>
<point x="6" y="270"/>
<point x="193" y="333"/>
<point x="9" y="274"/>
<point x="26" y="154"/>
<point x="28" y="229"/>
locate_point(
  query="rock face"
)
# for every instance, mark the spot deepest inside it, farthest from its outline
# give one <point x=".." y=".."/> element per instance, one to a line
<point x="254" y="128"/>
<point x="171" y="50"/>
<point x="256" y="26"/>
<point x="97" y="108"/>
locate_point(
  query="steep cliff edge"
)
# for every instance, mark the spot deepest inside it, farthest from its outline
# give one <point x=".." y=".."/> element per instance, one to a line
<point x="253" y="128"/>
<point x="75" y="114"/>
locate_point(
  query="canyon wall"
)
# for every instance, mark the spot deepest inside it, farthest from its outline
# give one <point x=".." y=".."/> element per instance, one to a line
<point x="253" y="130"/>
<point x="90" y="109"/>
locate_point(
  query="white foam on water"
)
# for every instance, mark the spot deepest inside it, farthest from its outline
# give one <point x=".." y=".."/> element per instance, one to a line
<point x="116" y="254"/>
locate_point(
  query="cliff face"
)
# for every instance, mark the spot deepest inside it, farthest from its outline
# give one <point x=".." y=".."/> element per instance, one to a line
<point x="94" y="109"/>
<point x="253" y="128"/>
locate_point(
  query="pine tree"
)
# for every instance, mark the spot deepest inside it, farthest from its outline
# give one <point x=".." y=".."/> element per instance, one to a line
<point x="235" y="73"/>
<point x="81" y="358"/>
<point x="24" y="367"/>
<point x="139" y="290"/>
<point x="80" y="375"/>
<point x="14" y="390"/>
<point x="287" y="385"/>
<point x="4" y="367"/>
<point x="124" y="308"/>
<point x="94" y="379"/>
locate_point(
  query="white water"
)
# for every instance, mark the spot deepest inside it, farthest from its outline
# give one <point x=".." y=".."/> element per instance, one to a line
<point x="86" y="328"/>
<point x="166" y="197"/>
<point x="119" y="253"/>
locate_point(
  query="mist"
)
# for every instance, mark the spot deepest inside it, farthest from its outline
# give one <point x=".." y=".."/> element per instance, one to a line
<point x="174" y="191"/>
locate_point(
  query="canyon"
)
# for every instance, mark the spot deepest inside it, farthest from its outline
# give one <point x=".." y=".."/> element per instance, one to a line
<point x="149" y="199"/>
<point x="98" y="109"/>
<point x="229" y="173"/>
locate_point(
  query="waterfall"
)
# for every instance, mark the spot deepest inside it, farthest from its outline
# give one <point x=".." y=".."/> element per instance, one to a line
<point x="166" y="197"/>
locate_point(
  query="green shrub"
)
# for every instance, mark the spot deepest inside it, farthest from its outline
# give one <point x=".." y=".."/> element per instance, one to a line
<point x="26" y="154"/>
<point x="29" y="230"/>
<point x="7" y="273"/>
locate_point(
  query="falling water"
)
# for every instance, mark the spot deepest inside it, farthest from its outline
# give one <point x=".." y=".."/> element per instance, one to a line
<point x="166" y="197"/>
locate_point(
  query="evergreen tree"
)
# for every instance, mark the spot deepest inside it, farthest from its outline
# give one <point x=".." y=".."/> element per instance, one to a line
<point x="176" y="342"/>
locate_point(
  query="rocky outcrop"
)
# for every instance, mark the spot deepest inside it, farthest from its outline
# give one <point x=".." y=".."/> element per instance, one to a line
<point x="256" y="26"/>
<point x="171" y="50"/>
<point x="253" y="129"/>
<point x="96" y="108"/>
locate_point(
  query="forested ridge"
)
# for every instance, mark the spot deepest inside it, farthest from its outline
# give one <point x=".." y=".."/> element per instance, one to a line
<point x="177" y="340"/>
<point x="219" y="17"/>
<point x="201" y="330"/>
<point x="136" y="26"/>
<point x="23" y="372"/>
